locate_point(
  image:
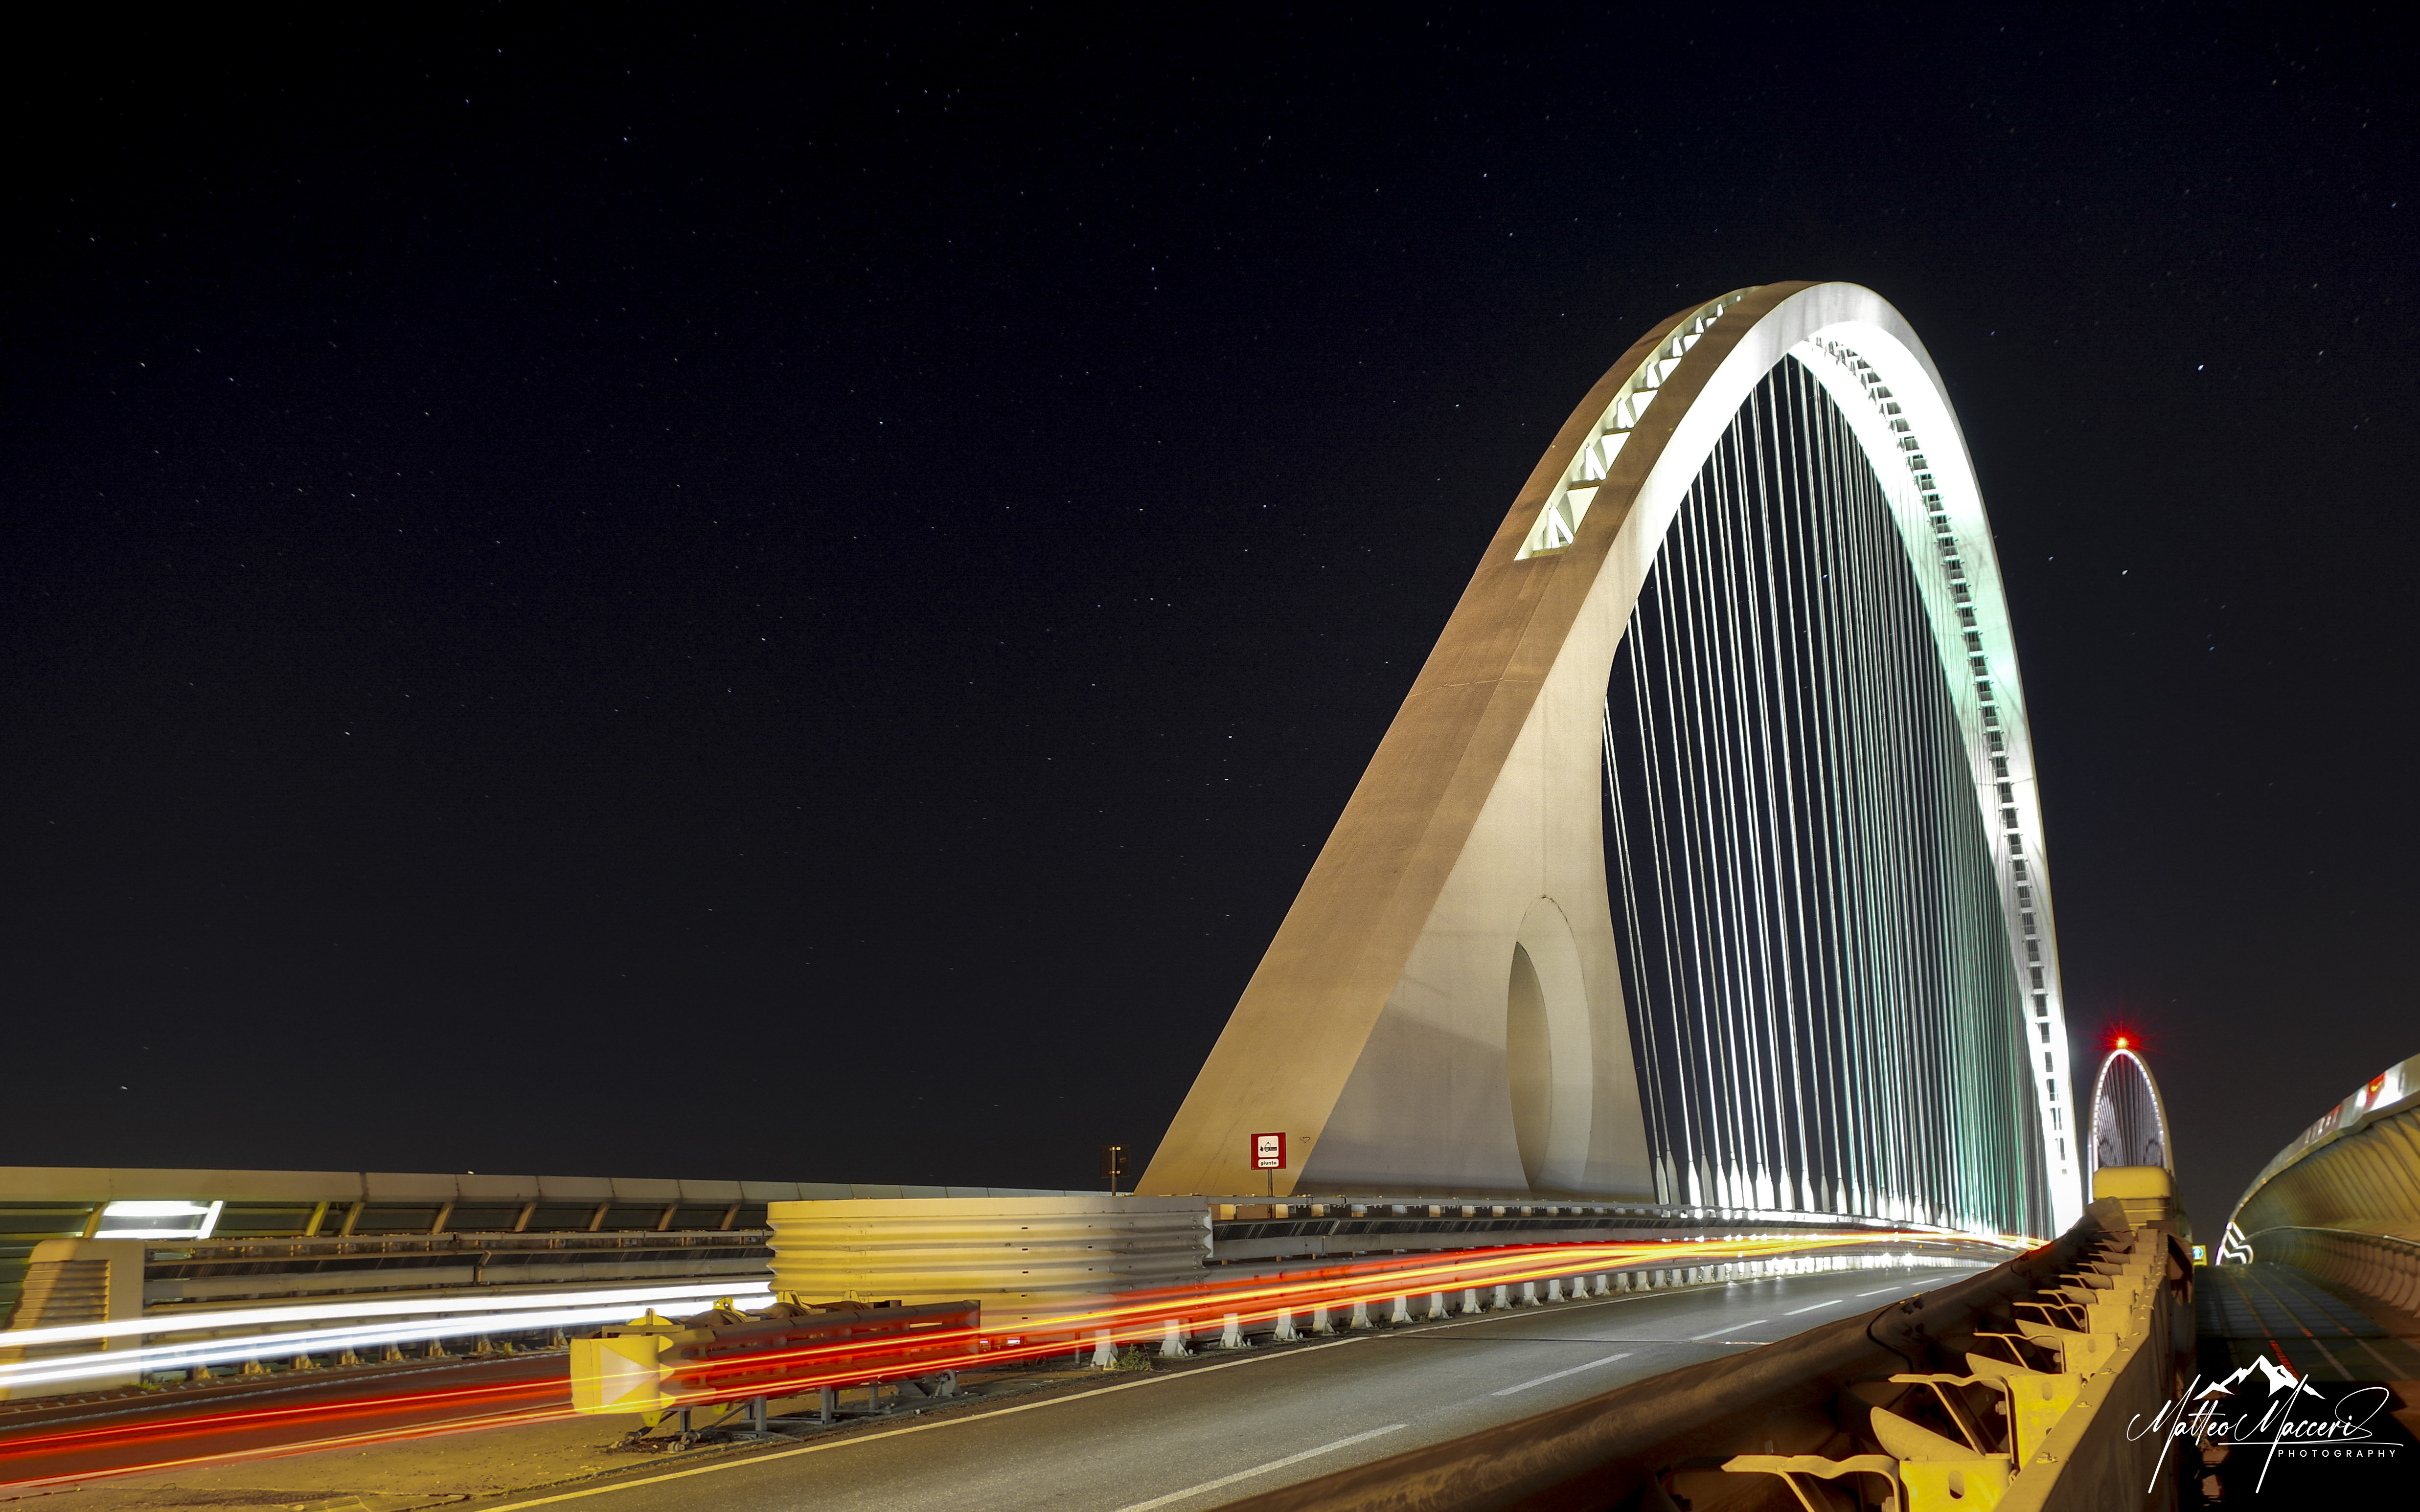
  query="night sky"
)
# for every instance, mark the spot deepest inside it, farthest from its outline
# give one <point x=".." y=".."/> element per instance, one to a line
<point x="795" y="601"/>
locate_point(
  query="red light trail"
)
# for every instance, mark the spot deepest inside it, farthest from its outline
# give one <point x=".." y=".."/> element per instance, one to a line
<point x="177" y="1440"/>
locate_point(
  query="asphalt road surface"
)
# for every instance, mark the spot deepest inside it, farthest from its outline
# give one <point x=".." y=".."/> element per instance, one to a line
<point x="38" y="1445"/>
<point x="1196" y="1438"/>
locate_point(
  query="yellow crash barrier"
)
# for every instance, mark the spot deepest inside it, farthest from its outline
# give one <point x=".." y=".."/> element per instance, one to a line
<point x="1990" y="1462"/>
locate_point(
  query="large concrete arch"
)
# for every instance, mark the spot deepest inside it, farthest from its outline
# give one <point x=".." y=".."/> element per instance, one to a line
<point x="1375" y="1032"/>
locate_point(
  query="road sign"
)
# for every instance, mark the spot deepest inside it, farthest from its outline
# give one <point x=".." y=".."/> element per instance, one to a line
<point x="1268" y="1152"/>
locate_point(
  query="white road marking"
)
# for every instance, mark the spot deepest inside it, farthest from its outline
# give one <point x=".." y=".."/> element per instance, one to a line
<point x="1258" y="1470"/>
<point x="1902" y="1286"/>
<point x="1024" y="1407"/>
<point x="1726" y="1329"/>
<point x="1560" y="1374"/>
<point x="1795" y="1311"/>
<point x="917" y="1428"/>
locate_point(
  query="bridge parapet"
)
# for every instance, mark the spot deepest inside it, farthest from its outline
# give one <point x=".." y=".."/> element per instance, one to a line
<point x="2343" y="1200"/>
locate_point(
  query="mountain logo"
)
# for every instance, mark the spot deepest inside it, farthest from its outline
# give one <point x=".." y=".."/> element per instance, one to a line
<point x="2280" y="1378"/>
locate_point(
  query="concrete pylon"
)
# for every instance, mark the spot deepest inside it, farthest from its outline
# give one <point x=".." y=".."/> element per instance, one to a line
<point x="1442" y="1007"/>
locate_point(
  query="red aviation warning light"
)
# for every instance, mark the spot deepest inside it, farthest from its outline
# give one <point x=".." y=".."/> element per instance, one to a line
<point x="2122" y="1035"/>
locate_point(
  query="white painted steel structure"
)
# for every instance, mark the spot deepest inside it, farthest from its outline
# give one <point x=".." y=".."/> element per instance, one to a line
<point x="2130" y="1118"/>
<point x="1881" y="381"/>
<point x="1465" y="909"/>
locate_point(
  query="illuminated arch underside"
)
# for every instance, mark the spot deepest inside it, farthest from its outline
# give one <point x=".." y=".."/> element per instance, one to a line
<point x="2130" y="1118"/>
<point x="1375" y="1030"/>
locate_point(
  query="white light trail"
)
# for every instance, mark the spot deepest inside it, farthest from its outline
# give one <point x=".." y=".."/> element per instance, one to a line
<point x="316" y="1312"/>
<point x="257" y="1346"/>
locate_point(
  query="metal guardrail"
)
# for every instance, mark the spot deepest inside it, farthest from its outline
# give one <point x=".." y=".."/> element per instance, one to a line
<point x="1257" y="1231"/>
<point x="39" y="1203"/>
<point x="219" y="1272"/>
<point x="741" y="1361"/>
<point x="320" y="1236"/>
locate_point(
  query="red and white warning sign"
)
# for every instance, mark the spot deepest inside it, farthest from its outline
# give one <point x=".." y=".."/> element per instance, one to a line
<point x="1268" y="1152"/>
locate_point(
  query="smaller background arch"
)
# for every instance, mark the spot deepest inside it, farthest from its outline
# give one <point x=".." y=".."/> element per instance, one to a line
<point x="2130" y="1123"/>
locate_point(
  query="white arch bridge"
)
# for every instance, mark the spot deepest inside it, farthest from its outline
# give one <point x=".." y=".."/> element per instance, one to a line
<point x="1704" y="863"/>
<point x="1683" y="969"/>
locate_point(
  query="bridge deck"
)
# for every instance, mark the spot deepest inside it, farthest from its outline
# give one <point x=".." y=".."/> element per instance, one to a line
<point x="1200" y="1435"/>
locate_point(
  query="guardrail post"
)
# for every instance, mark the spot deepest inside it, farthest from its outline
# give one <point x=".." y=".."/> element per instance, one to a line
<point x="1360" y="1315"/>
<point x="1471" y="1299"/>
<point x="1437" y="1305"/>
<point x="1171" y="1342"/>
<point x="1319" y="1321"/>
<point x="1528" y="1294"/>
<point x="1231" y="1334"/>
<point x="1105" y="1354"/>
<point x="1603" y="1284"/>
<point x="1286" y="1333"/>
<point x="1402" y="1313"/>
<point x="1503" y="1301"/>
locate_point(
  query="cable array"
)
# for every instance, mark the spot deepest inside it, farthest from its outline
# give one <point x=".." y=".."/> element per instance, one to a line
<point x="1816" y="959"/>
